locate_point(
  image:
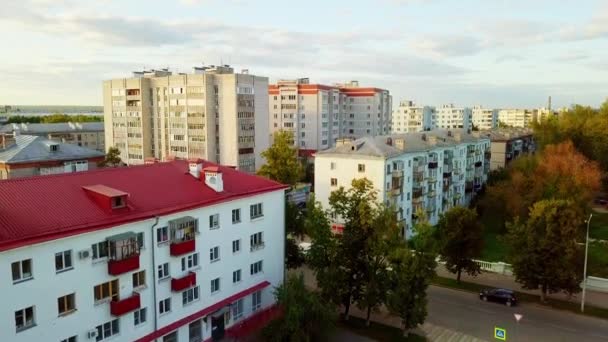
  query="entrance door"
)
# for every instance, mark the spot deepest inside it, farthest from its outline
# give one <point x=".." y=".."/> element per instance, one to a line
<point x="217" y="328"/>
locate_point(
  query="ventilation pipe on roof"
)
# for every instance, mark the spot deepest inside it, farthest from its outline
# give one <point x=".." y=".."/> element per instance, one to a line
<point x="213" y="178"/>
<point x="195" y="169"/>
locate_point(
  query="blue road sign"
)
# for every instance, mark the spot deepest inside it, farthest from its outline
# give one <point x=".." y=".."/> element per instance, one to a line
<point x="500" y="333"/>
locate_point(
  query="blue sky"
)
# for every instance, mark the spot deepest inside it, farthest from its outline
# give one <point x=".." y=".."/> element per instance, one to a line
<point x="497" y="53"/>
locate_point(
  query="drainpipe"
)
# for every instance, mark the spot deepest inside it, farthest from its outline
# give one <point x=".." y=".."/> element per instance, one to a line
<point x="154" y="280"/>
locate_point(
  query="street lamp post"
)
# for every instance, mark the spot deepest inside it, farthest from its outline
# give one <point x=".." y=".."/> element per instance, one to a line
<point x="585" y="266"/>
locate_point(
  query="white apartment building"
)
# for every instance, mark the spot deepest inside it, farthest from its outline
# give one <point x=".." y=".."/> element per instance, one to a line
<point x="484" y="118"/>
<point x="517" y="117"/>
<point x="213" y="114"/>
<point x="449" y="116"/>
<point x="425" y="171"/>
<point x="409" y="117"/>
<point x="170" y="252"/>
<point x="319" y="114"/>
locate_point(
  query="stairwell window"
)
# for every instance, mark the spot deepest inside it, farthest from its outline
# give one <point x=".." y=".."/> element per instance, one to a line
<point x="164" y="306"/>
<point x="334" y="181"/>
<point x="256" y="301"/>
<point x="255" y="210"/>
<point x="237" y="309"/>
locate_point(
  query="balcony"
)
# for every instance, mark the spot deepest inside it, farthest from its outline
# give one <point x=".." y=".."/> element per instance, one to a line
<point x="447" y="167"/>
<point x="257" y="246"/>
<point x="394" y="192"/>
<point x="431" y="193"/>
<point x="128" y="264"/>
<point x="447" y="174"/>
<point x="433" y="165"/>
<point x="432" y="178"/>
<point x="478" y="164"/>
<point x="180" y="284"/>
<point x="397" y="173"/>
<point x="178" y="248"/>
<point x="121" y="307"/>
<point x="488" y="155"/>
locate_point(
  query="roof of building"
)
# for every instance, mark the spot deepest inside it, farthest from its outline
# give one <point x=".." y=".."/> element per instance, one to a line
<point x="506" y="134"/>
<point x="64" y="127"/>
<point x="43" y="208"/>
<point x="385" y="146"/>
<point x="30" y="148"/>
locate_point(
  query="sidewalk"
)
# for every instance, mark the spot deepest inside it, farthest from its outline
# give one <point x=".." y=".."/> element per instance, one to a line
<point x="489" y="279"/>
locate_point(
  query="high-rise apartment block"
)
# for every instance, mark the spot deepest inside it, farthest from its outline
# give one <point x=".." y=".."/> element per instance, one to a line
<point x="451" y="117"/>
<point x="213" y="114"/>
<point x="484" y="118"/>
<point x="409" y="117"/>
<point x="517" y="117"/>
<point x="424" y="171"/>
<point x="320" y="114"/>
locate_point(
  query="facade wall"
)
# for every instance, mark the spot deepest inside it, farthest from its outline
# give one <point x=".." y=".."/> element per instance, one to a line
<point x="47" y="285"/>
<point x="411" y="118"/>
<point x="483" y="118"/>
<point x="12" y="171"/>
<point x="516" y="117"/>
<point x="451" y="117"/>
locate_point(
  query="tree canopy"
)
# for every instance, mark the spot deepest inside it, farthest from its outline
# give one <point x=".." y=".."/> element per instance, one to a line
<point x="282" y="164"/>
<point x="461" y="237"/>
<point x="54" y="118"/>
<point x="112" y="158"/>
<point x="543" y="249"/>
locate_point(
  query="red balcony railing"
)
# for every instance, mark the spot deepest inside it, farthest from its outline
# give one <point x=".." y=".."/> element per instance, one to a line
<point x="182" y="247"/>
<point x="121" y="307"/>
<point x="183" y="283"/>
<point x="116" y="267"/>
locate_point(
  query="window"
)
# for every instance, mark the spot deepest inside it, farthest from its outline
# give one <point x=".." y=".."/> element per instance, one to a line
<point x="215" y="285"/>
<point x="139" y="316"/>
<point x="190" y="262"/>
<point x="69" y="339"/>
<point x="236" y="246"/>
<point x="190" y="295"/>
<point x="118" y="202"/>
<point x="66" y="304"/>
<point x="256" y="267"/>
<point x="22" y="270"/>
<point x="236" y="276"/>
<point x="164" y="306"/>
<point x="256" y="241"/>
<point x="332" y="166"/>
<point x="256" y="300"/>
<point x="361" y="167"/>
<point x="107" y="329"/>
<point x="333" y="181"/>
<point x="107" y="290"/>
<point x="214" y="221"/>
<point x="214" y="254"/>
<point x="24" y="319"/>
<point x="63" y="261"/>
<point x="237" y="309"/>
<point x="172" y="337"/>
<point x="162" y="234"/>
<point x="255" y="210"/>
<point x="163" y="271"/>
<point x="139" y="279"/>
<point x="100" y="250"/>
<point x="236" y="216"/>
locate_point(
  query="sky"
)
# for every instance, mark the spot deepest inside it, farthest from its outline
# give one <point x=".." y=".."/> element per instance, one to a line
<point x="495" y="53"/>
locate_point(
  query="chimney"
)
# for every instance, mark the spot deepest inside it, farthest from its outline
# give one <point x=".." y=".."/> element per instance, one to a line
<point x="432" y="139"/>
<point x="400" y="143"/>
<point x="195" y="168"/>
<point x="389" y="141"/>
<point x="213" y="178"/>
<point x="457" y="136"/>
<point x="424" y="136"/>
<point x="449" y="133"/>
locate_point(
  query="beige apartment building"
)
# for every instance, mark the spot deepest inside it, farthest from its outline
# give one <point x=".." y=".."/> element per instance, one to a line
<point x="320" y="114"/>
<point x="213" y="114"/>
<point x="484" y="118"/>
<point x="84" y="134"/>
<point x="409" y="117"/>
<point x="517" y="117"/>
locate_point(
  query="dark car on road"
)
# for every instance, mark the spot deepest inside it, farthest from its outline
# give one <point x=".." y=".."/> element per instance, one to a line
<point x="503" y="296"/>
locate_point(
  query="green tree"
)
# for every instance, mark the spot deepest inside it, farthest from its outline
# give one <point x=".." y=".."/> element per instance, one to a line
<point x="461" y="237"/>
<point x="410" y="276"/>
<point x="305" y="317"/>
<point x="294" y="229"/>
<point x="543" y="250"/>
<point x="282" y="164"/>
<point x="112" y="158"/>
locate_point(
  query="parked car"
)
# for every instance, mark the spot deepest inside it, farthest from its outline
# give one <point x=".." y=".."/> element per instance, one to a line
<point x="601" y="201"/>
<point x="503" y="296"/>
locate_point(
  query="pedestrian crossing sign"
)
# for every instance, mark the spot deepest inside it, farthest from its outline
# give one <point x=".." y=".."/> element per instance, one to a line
<point x="500" y="334"/>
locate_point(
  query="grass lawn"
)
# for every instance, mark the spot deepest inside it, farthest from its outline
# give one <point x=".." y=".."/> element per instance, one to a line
<point x="494" y="250"/>
<point x="598" y="260"/>
<point x="377" y="331"/>
<point x="526" y="297"/>
<point x="599" y="226"/>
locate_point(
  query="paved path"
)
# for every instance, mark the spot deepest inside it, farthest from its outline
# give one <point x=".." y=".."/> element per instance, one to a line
<point x="599" y="299"/>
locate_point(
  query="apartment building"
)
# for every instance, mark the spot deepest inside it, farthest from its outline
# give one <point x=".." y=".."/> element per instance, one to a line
<point x="320" y="114"/>
<point x="543" y="114"/>
<point x="418" y="172"/>
<point x="517" y="117"/>
<point x="409" y="117"/>
<point x="28" y="155"/>
<point x="484" y="118"/>
<point x="213" y="114"/>
<point x="449" y="116"/>
<point x="508" y="144"/>
<point x="84" y="134"/>
<point x="170" y="252"/>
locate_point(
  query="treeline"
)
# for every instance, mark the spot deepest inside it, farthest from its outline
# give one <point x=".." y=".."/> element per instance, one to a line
<point x="54" y="118"/>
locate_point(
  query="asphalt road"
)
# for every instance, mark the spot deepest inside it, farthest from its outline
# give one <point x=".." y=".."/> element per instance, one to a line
<point x="464" y="312"/>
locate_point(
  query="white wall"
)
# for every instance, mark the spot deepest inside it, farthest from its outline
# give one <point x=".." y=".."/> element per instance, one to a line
<point x="47" y="286"/>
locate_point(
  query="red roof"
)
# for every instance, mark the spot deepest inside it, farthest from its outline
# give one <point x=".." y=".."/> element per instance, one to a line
<point x="104" y="190"/>
<point x="37" y="209"/>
